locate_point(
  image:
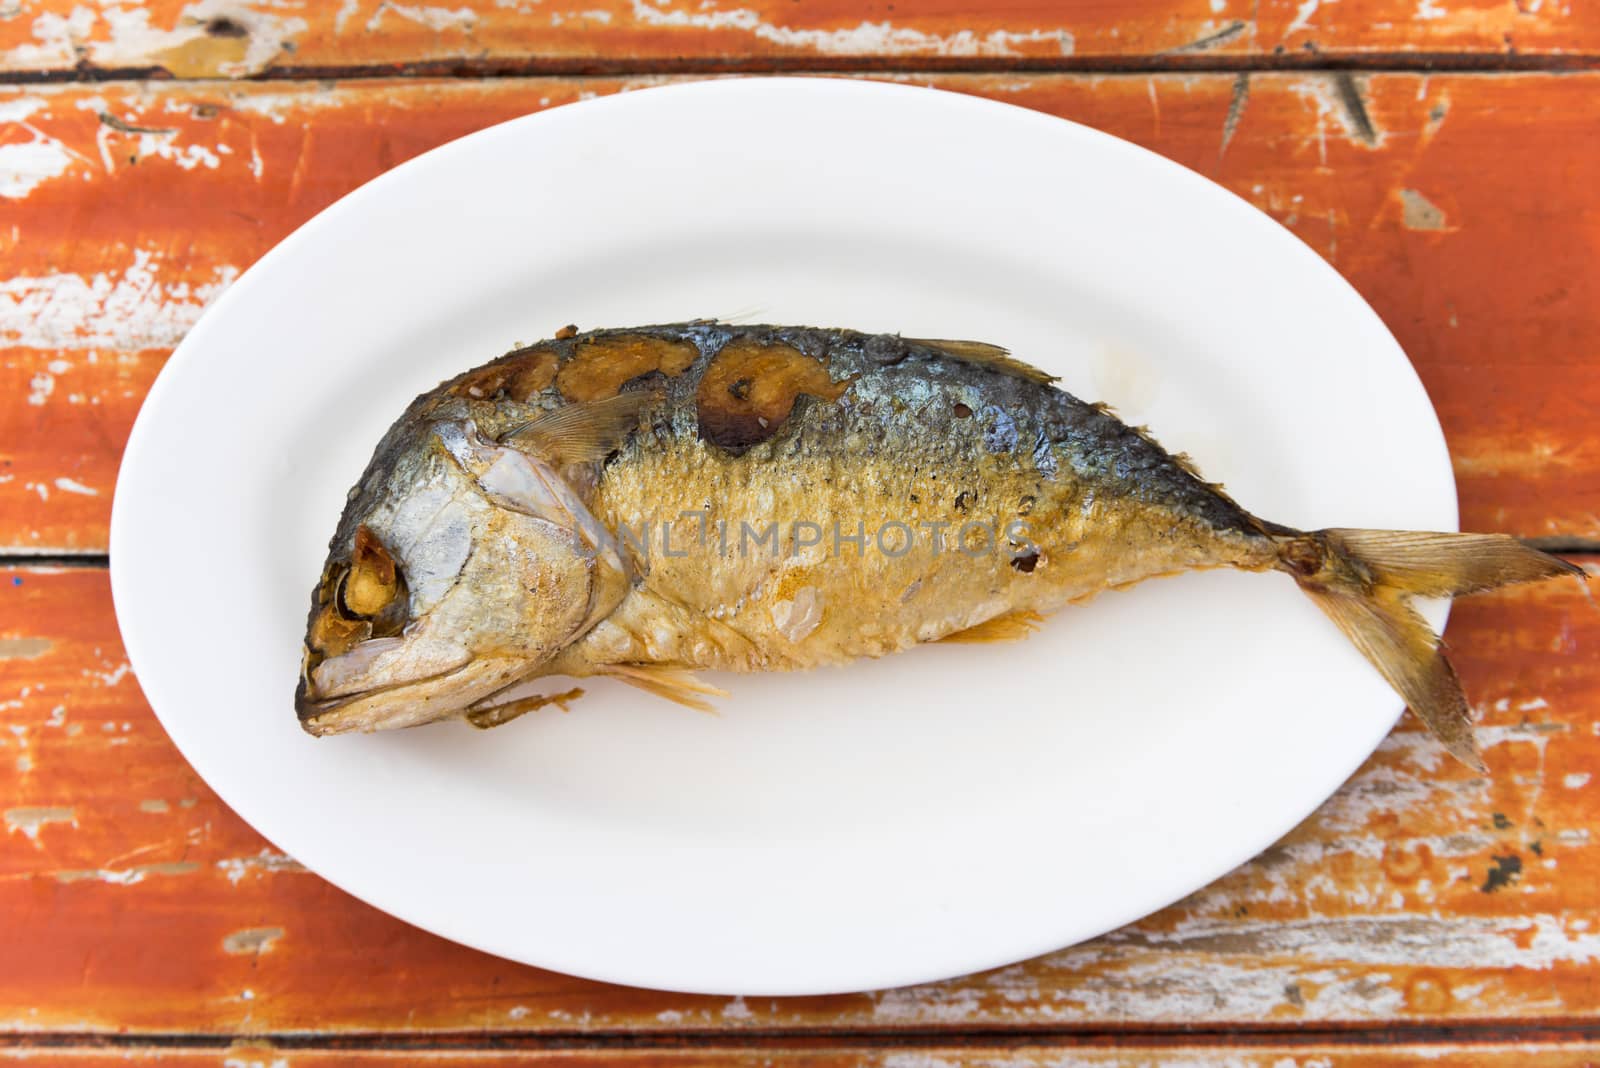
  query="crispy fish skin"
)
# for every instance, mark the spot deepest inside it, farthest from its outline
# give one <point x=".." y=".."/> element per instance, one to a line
<point x="648" y="502"/>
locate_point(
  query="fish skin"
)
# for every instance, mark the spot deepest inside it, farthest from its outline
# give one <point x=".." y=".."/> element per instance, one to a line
<point x="490" y="544"/>
<point x="1103" y="504"/>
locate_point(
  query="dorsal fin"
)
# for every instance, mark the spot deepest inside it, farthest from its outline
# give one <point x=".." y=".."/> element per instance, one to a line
<point x="985" y="355"/>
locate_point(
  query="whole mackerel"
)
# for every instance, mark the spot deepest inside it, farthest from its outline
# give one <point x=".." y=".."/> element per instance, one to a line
<point x="649" y="502"/>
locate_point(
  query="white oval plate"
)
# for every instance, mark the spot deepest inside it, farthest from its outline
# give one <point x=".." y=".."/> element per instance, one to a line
<point x="934" y="813"/>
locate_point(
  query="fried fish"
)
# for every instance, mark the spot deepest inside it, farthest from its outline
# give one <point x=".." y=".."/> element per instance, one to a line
<point x="649" y="502"/>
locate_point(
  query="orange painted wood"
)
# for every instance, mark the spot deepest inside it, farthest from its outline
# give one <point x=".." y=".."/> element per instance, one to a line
<point x="134" y="901"/>
<point x="254" y="36"/>
<point x="845" y="1055"/>
<point x="1460" y="206"/>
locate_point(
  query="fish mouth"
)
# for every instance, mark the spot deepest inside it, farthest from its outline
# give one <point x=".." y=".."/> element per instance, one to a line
<point x="352" y="691"/>
<point x="335" y="715"/>
<point x="410" y="701"/>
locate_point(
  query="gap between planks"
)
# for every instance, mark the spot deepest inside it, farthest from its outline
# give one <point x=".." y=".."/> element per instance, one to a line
<point x="1141" y="1036"/>
<point x="466" y="67"/>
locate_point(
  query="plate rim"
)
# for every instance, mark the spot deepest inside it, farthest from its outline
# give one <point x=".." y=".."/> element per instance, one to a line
<point x="883" y="974"/>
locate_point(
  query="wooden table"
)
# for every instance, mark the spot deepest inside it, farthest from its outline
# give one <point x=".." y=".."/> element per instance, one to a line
<point x="1443" y="154"/>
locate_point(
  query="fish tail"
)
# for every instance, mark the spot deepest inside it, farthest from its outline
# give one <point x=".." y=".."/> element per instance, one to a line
<point x="1364" y="580"/>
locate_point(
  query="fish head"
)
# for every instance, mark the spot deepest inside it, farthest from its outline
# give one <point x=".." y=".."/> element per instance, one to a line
<point x="460" y="567"/>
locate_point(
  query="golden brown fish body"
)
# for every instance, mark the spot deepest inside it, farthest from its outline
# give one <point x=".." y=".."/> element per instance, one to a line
<point x="649" y="502"/>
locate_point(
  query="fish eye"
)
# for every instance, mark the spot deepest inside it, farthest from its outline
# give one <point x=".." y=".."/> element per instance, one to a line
<point x="371" y="588"/>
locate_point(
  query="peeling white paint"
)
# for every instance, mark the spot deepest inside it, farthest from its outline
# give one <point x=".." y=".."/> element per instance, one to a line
<point x="29" y="820"/>
<point x="111" y="678"/>
<point x="127" y="310"/>
<point x="347" y="11"/>
<point x="118" y="36"/>
<point x="1419" y="213"/>
<point x="869" y="38"/>
<point x="41" y="385"/>
<point x="55" y="40"/>
<point x="266" y="861"/>
<point x="437" y="19"/>
<point x="19" y="108"/>
<point x="71" y="486"/>
<point x="1467" y="942"/>
<point x="166" y="146"/>
<point x="132" y="42"/>
<point x="1302" y="16"/>
<point x="26" y="165"/>
<point x="1576" y="780"/>
<point x="126" y="876"/>
<point x="251" y="941"/>
<point x="237" y="1061"/>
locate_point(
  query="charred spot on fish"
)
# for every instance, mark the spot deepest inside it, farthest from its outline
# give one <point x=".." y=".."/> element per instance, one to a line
<point x="964" y="500"/>
<point x="885" y="350"/>
<point x="1025" y="505"/>
<point x="1303" y="556"/>
<point x="568" y="331"/>
<point x="749" y="390"/>
<point x="601" y="365"/>
<point x="519" y="375"/>
<point x="962" y="411"/>
<point x="1025" y="562"/>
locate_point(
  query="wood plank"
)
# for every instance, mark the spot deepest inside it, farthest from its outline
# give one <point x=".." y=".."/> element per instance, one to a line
<point x="980" y="1056"/>
<point x="1468" y="225"/>
<point x="239" y="39"/>
<point x="1419" y="895"/>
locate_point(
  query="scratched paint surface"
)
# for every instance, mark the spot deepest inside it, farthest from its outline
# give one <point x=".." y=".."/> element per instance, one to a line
<point x="1575" y="1055"/>
<point x="134" y="900"/>
<point x="128" y="208"/>
<point x="228" y="38"/>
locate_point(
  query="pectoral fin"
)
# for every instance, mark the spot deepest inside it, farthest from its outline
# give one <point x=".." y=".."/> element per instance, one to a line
<point x="496" y="715"/>
<point x="678" y="685"/>
<point x="1011" y="627"/>
<point x="581" y="433"/>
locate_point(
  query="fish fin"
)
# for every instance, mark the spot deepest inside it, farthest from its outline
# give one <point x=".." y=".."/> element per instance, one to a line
<point x="496" y="715"/>
<point x="1363" y="580"/>
<point x="1447" y="565"/>
<point x="678" y="685"/>
<point x="986" y="355"/>
<point x="1013" y="626"/>
<point x="581" y="432"/>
